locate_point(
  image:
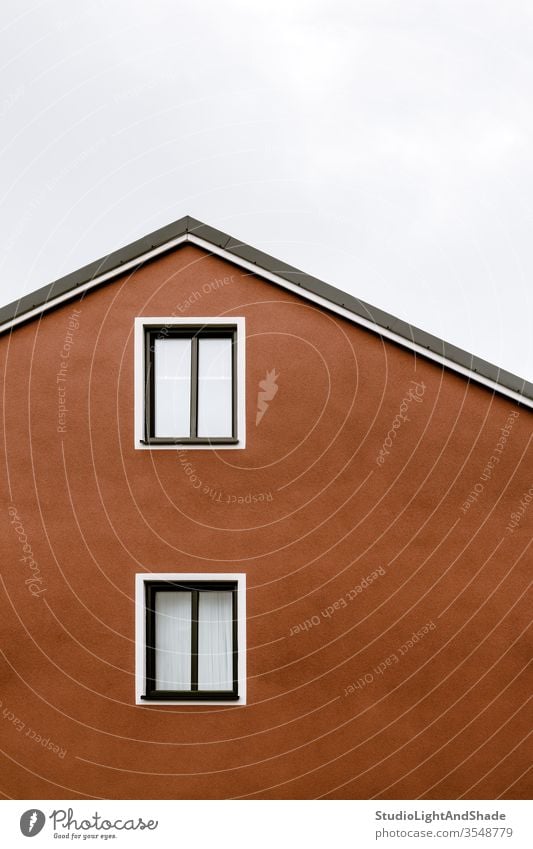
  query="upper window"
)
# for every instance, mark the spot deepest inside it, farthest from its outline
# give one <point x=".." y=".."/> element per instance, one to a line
<point x="192" y="384"/>
<point x="190" y="638"/>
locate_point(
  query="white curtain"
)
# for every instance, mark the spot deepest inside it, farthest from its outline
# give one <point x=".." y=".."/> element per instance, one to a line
<point x="172" y="387"/>
<point x="215" y="661"/>
<point x="173" y="640"/>
<point x="215" y="400"/>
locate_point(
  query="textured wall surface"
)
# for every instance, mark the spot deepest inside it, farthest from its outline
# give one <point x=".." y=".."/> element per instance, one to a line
<point x="395" y="504"/>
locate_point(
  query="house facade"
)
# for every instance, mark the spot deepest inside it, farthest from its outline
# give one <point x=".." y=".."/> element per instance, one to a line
<point x="260" y="540"/>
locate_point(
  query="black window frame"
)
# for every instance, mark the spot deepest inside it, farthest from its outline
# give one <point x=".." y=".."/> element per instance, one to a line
<point x="195" y="333"/>
<point x="194" y="694"/>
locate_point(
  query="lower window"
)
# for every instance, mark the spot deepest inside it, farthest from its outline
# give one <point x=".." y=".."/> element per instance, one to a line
<point x="191" y="637"/>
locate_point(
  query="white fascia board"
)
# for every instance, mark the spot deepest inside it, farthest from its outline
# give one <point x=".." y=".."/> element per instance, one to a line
<point x="95" y="281"/>
<point x="291" y="287"/>
<point x="362" y="322"/>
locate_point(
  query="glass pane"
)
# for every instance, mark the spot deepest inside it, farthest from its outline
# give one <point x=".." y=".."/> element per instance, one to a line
<point x="172" y="387"/>
<point x="215" y="641"/>
<point x="215" y="387"/>
<point x="173" y="618"/>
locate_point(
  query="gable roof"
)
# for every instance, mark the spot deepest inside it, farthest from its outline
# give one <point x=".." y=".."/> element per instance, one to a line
<point x="190" y="230"/>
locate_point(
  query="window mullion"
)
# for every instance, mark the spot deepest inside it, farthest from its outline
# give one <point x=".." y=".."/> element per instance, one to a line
<point x="194" y="641"/>
<point x="194" y="386"/>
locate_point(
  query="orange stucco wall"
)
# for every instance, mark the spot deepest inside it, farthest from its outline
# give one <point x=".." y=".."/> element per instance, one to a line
<point x="347" y="558"/>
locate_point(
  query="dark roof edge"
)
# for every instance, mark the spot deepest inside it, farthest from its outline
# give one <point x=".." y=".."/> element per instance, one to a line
<point x="70" y="283"/>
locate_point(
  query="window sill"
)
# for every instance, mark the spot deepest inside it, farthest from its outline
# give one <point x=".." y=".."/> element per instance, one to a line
<point x="211" y="696"/>
<point x="165" y="441"/>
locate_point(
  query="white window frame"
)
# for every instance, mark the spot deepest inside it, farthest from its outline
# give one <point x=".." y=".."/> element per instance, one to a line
<point x="140" y="633"/>
<point x="139" y="379"/>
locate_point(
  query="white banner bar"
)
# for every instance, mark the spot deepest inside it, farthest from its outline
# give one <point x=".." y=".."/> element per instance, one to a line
<point x="268" y="824"/>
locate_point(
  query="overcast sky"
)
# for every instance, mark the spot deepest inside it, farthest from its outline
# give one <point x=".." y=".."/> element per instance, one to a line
<point x="383" y="146"/>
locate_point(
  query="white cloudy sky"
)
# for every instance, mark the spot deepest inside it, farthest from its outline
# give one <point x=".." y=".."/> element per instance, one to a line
<point x="384" y="146"/>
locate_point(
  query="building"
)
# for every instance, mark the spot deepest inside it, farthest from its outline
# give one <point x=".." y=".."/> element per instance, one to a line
<point x="261" y="540"/>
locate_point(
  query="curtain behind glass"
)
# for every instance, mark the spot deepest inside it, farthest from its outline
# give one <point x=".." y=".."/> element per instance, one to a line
<point x="215" y="661"/>
<point x="173" y="619"/>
